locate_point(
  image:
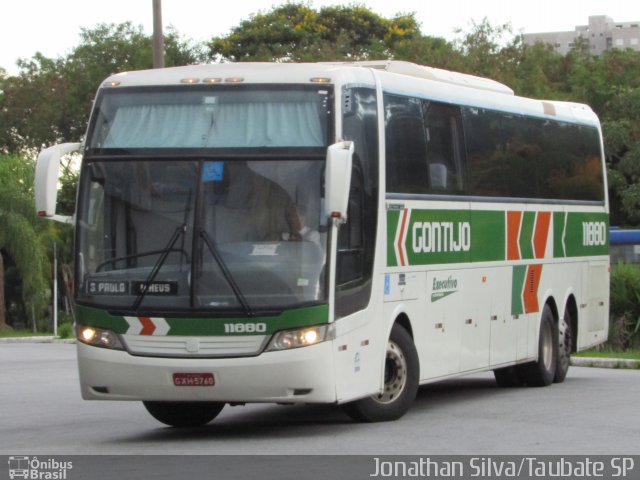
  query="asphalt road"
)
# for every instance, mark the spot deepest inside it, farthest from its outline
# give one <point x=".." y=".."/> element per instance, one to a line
<point x="594" y="412"/>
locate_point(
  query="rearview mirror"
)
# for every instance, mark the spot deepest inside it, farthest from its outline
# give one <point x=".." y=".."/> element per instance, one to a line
<point x="337" y="179"/>
<point x="46" y="180"/>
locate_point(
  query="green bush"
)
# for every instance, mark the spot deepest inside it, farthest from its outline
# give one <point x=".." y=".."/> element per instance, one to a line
<point x="624" y="323"/>
<point x="65" y="330"/>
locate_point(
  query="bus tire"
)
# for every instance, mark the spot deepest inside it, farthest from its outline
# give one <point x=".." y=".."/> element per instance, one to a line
<point x="508" y="377"/>
<point x="565" y="346"/>
<point x="401" y="379"/>
<point x="184" y="414"/>
<point x="542" y="372"/>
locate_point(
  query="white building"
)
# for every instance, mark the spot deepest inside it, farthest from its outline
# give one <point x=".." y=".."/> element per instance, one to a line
<point x="600" y="35"/>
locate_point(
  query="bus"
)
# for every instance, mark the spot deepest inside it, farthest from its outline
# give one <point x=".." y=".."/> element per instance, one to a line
<point x="336" y="233"/>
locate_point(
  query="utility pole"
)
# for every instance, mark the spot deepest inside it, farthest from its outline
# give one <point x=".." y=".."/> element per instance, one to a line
<point x="158" y="37"/>
<point x="55" y="290"/>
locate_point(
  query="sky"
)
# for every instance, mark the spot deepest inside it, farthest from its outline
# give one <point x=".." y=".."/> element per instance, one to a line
<point x="52" y="27"/>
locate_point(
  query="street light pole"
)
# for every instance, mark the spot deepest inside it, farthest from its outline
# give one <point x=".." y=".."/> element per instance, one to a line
<point x="158" y="38"/>
<point x="55" y="290"/>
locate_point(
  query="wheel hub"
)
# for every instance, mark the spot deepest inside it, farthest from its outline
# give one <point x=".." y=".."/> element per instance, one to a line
<point x="395" y="375"/>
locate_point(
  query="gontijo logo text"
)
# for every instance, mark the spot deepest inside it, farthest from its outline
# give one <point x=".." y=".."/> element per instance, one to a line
<point x="441" y="237"/>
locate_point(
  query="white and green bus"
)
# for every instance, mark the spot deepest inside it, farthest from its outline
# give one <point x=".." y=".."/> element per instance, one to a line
<point x="329" y="233"/>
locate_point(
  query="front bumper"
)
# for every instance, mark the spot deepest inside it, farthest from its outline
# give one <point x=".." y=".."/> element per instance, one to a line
<point x="301" y="375"/>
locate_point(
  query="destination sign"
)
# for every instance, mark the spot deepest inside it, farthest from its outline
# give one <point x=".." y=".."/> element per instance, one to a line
<point x="107" y="287"/>
<point x="154" y="288"/>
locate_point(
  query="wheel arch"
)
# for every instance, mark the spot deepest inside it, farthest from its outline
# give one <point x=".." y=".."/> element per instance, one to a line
<point x="551" y="302"/>
<point x="400" y="317"/>
<point x="403" y="320"/>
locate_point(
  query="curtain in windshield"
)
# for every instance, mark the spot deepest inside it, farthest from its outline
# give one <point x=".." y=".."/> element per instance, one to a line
<point x="205" y="120"/>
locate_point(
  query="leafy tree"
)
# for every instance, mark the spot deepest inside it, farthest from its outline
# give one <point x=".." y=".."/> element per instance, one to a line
<point x="296" y="32"/>
<point x="49" y="101"/>
<point x="621" y="131"/>
<point x="20" y="234"/>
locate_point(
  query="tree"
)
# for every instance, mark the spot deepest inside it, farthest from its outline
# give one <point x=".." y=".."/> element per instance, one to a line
<point x="19" y="235"/>
<point x="49" y="101"/>
<point x="621" y="131"/>
<point x="296" y="32"/>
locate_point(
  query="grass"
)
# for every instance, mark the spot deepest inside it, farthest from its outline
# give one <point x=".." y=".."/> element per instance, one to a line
<point x="628" y="354"/>
<point x="65" y="330"/>
<point x="11" y="333"/>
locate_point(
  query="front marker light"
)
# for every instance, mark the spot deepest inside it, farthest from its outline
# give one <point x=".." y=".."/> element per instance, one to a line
<point x="99" y="337"/>
<point x="300" y="337"/>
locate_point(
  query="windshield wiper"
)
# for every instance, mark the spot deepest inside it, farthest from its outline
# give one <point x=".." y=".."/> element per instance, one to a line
<point x="165" y="253"/>
<point x="227" y="274"/>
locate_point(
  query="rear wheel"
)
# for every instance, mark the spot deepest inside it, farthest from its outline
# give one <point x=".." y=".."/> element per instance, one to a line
<point x="184" y="414"/>
<point x="542" y="372"/>
<point x="401" y="377"/>
<point x="565" y="346"/>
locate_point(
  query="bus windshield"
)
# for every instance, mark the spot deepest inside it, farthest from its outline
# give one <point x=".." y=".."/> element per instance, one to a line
<point x="231" y="235"/>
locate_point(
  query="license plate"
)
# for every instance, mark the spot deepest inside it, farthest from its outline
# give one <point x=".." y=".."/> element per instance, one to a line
<point x="193" y="380"/>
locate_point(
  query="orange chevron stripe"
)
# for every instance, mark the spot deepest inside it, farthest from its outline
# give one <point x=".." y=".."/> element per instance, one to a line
<point x="530" y="290"/>
<point x="513" y="229"/>
<point x="541" y="233"/>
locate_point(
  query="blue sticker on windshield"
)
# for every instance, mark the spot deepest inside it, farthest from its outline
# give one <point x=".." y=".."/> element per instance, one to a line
<point x="212" y="171"/>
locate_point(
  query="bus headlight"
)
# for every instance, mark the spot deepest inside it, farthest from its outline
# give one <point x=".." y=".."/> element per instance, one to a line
<point x="301" y="337"/>
<point x="99" y="337"/>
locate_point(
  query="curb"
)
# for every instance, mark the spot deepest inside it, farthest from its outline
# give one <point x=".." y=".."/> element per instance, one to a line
<point x="605" y="362"/>
<point x="38" y="339"/>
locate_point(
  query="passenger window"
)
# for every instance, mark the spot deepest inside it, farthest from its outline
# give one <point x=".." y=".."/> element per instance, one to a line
<point x="406" y="146"/>
<point x="444" y="152"/>
<point x="423" y="147"/>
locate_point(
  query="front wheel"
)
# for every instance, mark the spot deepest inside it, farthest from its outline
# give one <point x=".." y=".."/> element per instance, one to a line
<point x="184" y="414"/>
<point x="542" y="372"/>
<point x="401" y="378"/>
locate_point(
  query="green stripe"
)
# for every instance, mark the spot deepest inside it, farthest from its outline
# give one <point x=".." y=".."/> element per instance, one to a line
<point x="558" y="229"/>
<point x="517" y="283"/>
<point x="488" y="236"/>
<point x="299" y="317"/>
<point x="581" y="243"/>
<point x="393" y="218"/>
<point x="526" y="235"/>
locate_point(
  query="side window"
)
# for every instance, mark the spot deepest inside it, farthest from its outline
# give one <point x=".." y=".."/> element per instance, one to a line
<point x="357" y="237"/>
<point x="406" y="144"/>
<point x="572" y="162"/>
<point x="424" y="151"/>
<point x="445" y="155"/>
<point x="350" y="241"/>
<point x="485" y="153"/>
<point x="510" y="155"/>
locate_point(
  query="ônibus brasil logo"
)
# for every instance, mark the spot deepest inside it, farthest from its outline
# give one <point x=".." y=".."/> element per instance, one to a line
<point x="38" y="469"/>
